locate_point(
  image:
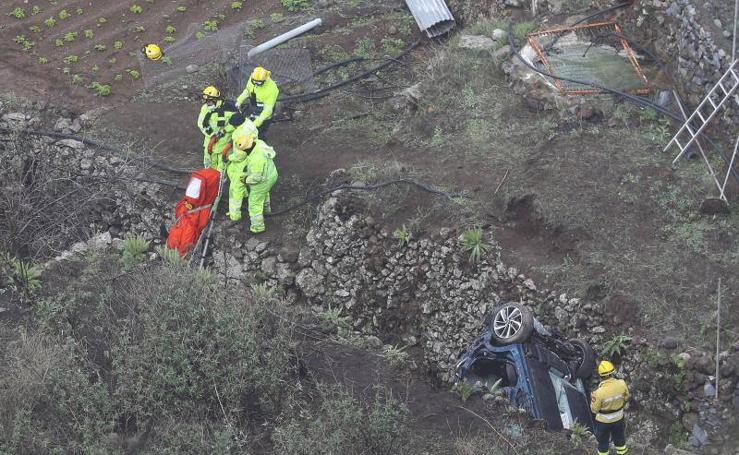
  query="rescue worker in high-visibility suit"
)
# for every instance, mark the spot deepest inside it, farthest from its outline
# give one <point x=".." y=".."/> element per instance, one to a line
<point x="607" y="403"/>
<point x="258" y="99"/>
<point x="213" y="121"/>
<point x="251" y="172"/>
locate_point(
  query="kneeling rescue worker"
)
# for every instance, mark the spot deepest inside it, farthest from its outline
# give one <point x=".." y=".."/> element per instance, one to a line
<point x="213" y="122"/>
<point x="607" y="403"/>
<point x="251" y="171"/>
<point x="258" y="99"/>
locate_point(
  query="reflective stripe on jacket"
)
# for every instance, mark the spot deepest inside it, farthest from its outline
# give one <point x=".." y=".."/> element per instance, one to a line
<point x="608" y="400"/>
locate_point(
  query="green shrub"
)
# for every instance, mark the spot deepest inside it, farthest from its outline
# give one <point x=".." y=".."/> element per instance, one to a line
<point x="276" y="17"/>
<point x="135" y="75"/>
<point x="50" y="22"/>
<point x="402" y="235"/>
<point x="473" y="242"/>
<point x="210" y="25"/>
<point x="100" y="47"/>
<point x="344" y="425"/>
<point x="171" y="29"/>
<point x="521" y="29"/>
<point x="236" y="6"/>
<point x="136" y="9"/>
<point x="21" y="276"/>
<point x="118" y="45"/>
<point x="36" y="10"/>
<point x="69" y="59"/>
<point x="181" y="9"/>
<point x="18" y="13"/>
<point x="43" y="60"/>
<point x="616" y="346"/>
<point x="392" y="46"/>
<point x="579" y="434"/>
<point x="34" y="29"/>
<point x="63" y="14"/>
<point x="70" y="36"/>
<point x="88" y="33"/>
<point x="134" y="251"/>
<point x="296" y="5"/>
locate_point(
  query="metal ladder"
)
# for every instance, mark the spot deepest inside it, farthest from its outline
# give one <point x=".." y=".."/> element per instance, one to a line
<point x="706" y="110"/>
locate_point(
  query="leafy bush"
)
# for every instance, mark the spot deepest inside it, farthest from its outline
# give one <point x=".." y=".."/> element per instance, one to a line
<point x="63" y="14"/>
<point x="392" y="46"/>
<point x="18" y="13"/>
<point x="616" y="346"/>
<point x="521" y="29"/>
<point x="36" y="10"/>
<point x="402" y="235"/>
<point x="276" y="17"/>
<point x="118" y="45"/>
<point x="296" y="5"/>
<point x="162" y="348"/>
<point x="88" y="33"/>
<point x="210" y="25"/>
<point x="136" y="9"/>
<point x="50" y="22"/>
<point x="236" y="6"/>
<point x="342" y="424"/>
<point x="21" y="276"/>
<point x="70" y="36"/>
<point x="134" y="251"/>
<point x="579" y="433"/>
<point x="474" y="243"/>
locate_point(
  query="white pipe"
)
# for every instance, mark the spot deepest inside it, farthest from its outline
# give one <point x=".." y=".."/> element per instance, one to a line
<point x="276" y="41"/>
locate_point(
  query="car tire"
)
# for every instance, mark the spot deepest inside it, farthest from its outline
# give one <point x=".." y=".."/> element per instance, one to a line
<point x="586" y="366"/>
<point x="510" y="323"/>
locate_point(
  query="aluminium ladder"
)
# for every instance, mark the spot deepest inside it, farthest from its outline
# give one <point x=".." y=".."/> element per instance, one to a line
<point x="706" y="110"/>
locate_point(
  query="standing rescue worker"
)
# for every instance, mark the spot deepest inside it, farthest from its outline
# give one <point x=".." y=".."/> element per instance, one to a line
<point x="212" y="121"/>
<point x="607" y="403"/>
<point x="251" y="171"/>
<point x="258" y="99"/>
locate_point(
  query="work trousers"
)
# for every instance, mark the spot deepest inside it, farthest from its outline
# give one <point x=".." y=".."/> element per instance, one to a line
<point x="616" y="431"/>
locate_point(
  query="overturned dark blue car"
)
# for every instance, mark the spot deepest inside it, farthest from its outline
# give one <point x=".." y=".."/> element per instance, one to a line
<point x="539" y="371"/>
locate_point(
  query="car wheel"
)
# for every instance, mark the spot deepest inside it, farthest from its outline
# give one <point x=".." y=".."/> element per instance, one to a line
<point x="511" y="323"/>
<point x="586" y="364"/>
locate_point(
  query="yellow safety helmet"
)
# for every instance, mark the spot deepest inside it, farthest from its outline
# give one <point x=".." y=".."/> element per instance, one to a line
<point x="605" y="368"/>
<point x="152" y="52"/>
<point x="260" y="74"/>
<point x="211" y="93"/>
<point x="244" y="141"/>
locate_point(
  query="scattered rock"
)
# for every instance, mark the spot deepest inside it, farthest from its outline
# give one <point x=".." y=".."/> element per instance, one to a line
<point x="373" y="342"/>
<point x="392" y="30"/>
<point x="192" y="68"/>
<point x="499" y="34"/>
<point x="669" y="343"/>
<point x="15" y="117"/>
<point x="479" y="42"/>
<point x="62" y="124"/>
<point x="502" y="53"/>
<point x="71" y="143"/>
<point x="698" y="436"/>
<point x="709" y="391"/>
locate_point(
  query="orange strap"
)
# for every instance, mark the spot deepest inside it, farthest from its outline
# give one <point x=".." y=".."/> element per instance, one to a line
<point x="226" y="149"/>
<point x="212" y="142"/>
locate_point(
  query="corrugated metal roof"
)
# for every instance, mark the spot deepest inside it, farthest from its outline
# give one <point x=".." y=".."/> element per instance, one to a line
<point x="432" y="16"/>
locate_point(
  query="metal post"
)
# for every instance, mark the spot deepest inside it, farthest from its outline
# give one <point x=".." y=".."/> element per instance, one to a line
<point x="718" y="334"/>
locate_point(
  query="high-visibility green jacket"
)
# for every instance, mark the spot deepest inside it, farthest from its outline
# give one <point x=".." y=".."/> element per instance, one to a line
<point x="608" y="400"/>
<point x="212" y="122"/>
<point x="256" y="166"/>
<point x="263" y="98"/>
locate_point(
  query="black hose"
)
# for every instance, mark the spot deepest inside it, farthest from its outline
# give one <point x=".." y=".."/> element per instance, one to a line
<point x="326" y="90"/>
<point x="409" y="181"/>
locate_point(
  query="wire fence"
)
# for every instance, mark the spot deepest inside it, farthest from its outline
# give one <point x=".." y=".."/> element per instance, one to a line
<point x="595" y="53"/>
